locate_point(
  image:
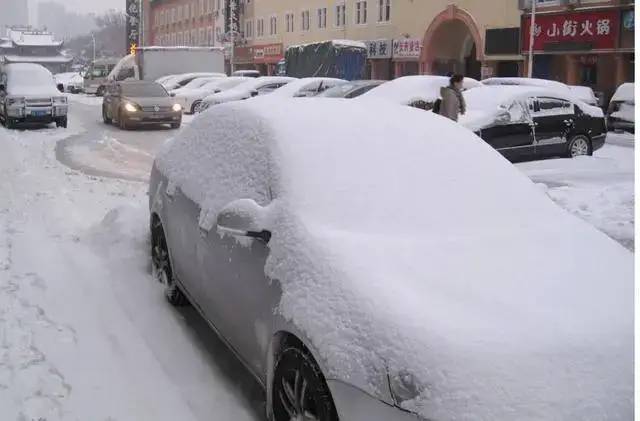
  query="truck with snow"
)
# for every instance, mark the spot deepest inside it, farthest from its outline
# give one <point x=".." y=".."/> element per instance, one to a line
<point x="152" y="63"/>
<point x="342" y="59"/>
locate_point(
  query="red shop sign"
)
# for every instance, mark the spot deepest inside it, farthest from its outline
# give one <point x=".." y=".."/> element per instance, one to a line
<point x="270" y="53"/>
<point x="573" y="31"/>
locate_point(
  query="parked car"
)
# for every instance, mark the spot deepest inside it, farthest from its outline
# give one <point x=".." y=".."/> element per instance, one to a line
<point x="192" y="99"/>
<point x="352" y="89"/>
<point x="527" y="81"/>
<point x="585" y="94"/>
<point x="29" y="94"/>
<point x="621" y="111"/>
<point x="179" y="81"/>
<point x="353" y="268"/>
<point x="194" y="84"/>
<point x="138" y="103"/>
<point x="307" y="87"/>
<point x="415" y="91"/>
<point x="246" y="73"/>
<point x="71" y="82"/>
<point x="95" y="77"/>
<point x="528" y="122"/>
<point x="254" y="87"/>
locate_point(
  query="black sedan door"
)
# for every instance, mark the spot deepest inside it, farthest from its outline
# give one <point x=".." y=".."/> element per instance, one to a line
<point x="553" y="119"/>
<point x="512" y="135"/>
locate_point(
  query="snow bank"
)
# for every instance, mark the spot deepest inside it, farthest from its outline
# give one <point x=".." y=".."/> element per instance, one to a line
<point x="625" y="92"/>
<point x="426" y="254"/>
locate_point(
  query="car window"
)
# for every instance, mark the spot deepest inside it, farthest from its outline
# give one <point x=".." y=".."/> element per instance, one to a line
<point x="360" y="91"/>
<point x="147" y="90"/>
<point x="552" y="106"/>
<point x="267" y="89"/>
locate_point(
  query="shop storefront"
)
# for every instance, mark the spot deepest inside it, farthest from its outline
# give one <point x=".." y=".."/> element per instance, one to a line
<point x="502" y="53"/>
<point x="581" y="48"/>
<point x="243" y="58"/>
<point x="266" y="58"/>
<point x="406" y="56"/>
<point x="379" y="64"/>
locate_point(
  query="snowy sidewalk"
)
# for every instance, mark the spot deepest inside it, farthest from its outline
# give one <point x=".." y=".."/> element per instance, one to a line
<point x="85" y="333"/>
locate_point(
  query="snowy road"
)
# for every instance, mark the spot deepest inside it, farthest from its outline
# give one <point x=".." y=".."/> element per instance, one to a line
<point x="85" y="333"/>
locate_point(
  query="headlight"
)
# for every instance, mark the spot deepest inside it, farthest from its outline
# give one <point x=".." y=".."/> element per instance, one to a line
<point x="177" y="107"/>
<point x="130" y="108"/>
<point x="60" y="100"/>
<point x="404" y="387"/>
<point x="15" y="101"/>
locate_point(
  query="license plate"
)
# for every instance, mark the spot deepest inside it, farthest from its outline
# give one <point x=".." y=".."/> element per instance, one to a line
<point x="39" y="113"/>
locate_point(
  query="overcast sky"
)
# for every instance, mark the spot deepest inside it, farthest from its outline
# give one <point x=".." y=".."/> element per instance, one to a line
<point x="86" y="6"/>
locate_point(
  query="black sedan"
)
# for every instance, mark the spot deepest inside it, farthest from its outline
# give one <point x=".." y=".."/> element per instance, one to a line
<point x="524" y="123"/>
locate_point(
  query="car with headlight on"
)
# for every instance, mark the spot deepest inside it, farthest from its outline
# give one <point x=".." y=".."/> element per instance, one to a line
<point x="28" y="94"/>
<point x="352" y="293"/>
<point x="132" y="104"/>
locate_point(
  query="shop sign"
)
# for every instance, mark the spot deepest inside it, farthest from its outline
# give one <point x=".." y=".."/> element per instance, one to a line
<point x="379" y="49"/>
<point x="270" y="53"/>
<point x="590" y="30"/>
<point x="407" y="48"/>
<point x="133" y="25"/>
<point x="242" y="55"/>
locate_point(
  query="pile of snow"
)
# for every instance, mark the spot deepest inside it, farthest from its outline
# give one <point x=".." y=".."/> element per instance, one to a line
<point x="26" y="79"/>
<point x="433" y="259"/>
<point x="625" y="92"/>
<point x="584" y="94"/>
<point x="336" y="42"/>
<point x="526" y="81"/>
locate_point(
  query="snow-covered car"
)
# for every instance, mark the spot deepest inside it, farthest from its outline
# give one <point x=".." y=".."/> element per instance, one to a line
<point x="529" y="122"/>
<point x="621" y="111"/>
<point x="194" y="84"/>
<point x="527" y="81"/>
<point x="192" y="99"/>
<point x="350" y="90"/>
<point x="179" y="81"/>
<point x="254" y="87"/>
<point x="415" y="91"/>
<point x="584" y="94"/>
<point x="28" y="94"/>
<point x="72" y="82"/>
<point x="353" y="293"/>
<point x="246" y="73"/>
<point x="307" y="87"/>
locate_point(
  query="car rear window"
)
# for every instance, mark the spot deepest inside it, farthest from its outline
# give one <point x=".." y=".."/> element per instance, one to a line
<point x="144" y="90"/>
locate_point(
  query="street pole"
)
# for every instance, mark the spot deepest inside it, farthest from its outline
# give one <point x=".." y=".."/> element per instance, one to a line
<point x="532" y="36"/>
<point x="93" y="38"/>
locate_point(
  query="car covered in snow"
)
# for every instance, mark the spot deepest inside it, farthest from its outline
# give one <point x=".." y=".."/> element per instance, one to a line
<point x="415" y="91"/>
<point x="192" y="99"/>
<point x="29" y="94"/>
<point x="307" y="87"/>
<point x="371" y="272"/>
<point x="179" y="81"/>
<point x="246" y="73"/>
<point x="622" y="107"/>
<point x="585" y="94"/>
<point x="194" y="84"/>
<point x="528" y="122"/>
<point x="262" y="85"/>
<point x="133" y="104"/>
<point x="350" y="90"/>
<point x="72" y="82"/>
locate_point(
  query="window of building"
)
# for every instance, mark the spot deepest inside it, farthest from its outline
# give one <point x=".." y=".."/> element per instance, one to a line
<point x="248" y="29"/>
<point x="305" y="20"/>
<point x="273" y="25"/>
<point x="201" y="35"/>
<point x="289" y="21"/>
<point x="341" y="15"/>
<point x="384" y="10"/>
<point x="260" y="27"/>
<point x="322" y="18"/>
<point x="361" y="12"/>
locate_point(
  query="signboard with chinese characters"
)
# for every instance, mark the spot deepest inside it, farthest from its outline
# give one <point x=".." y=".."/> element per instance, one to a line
<point x="269" y="53"/>
<point x="585" y="31"/>
<point x="379" y="49"/>
<point x="133" y="25"/>
<point x="408" y="48"/>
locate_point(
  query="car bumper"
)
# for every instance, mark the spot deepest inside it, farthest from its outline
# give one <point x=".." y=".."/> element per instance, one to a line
<point x="598" y="141"/>
<point x="153" y="118"/>
<point x="616" y="124"/>
<point x="38" y="114"/>
<point x="354" y="405"/>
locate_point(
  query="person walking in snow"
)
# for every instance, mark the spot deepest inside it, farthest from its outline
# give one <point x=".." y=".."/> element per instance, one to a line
<point x="452" y="104"/>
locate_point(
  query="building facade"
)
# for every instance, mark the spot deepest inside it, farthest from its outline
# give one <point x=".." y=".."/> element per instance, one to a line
<point x="183" y="22"/>
<point x="24" y="44"/>
<point x="590" y="42"/>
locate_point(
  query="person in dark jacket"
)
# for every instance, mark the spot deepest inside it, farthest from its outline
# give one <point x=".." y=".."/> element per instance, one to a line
<point x="452" y="100"/>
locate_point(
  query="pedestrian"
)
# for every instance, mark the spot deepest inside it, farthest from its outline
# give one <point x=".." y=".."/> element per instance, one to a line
<point x="452" y="104"/>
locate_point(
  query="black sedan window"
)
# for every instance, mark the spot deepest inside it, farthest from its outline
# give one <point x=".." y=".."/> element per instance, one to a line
<point x="554" y="106"/>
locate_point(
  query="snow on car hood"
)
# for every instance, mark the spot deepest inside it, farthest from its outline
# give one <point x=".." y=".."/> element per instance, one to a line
<point x="430" y="256"/>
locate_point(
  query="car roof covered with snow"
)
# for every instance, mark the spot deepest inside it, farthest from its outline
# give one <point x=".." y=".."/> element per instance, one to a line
<point x="406" y="243"/>
<point x="625" y="92"/>
<point x="527" y="81"/>
<point x="243" y="90"/>
<point x="29" y="79"/>
<point x="291" y="89"/>
<point x="408" y="89"/>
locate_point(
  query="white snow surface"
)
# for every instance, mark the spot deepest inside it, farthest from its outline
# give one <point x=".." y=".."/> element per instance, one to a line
<point x="243" y="90"/>
<point x="428" y="254"/>
<point x="626" y="112"/>
<point x="625" y="92"/>
<point x="85" y="333"/>
<point x="291" y="89"/>
<point x="585" y="94"/>
<point x="525" y="81"/>
<point x="27" y="79"/>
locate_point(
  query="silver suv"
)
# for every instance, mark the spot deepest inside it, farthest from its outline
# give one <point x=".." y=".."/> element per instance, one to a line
<point x="28" y="94"/>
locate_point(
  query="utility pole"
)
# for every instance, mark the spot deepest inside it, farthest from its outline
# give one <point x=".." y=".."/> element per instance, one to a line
<point x="93" y="39"/>
<point x="532" y="31"/>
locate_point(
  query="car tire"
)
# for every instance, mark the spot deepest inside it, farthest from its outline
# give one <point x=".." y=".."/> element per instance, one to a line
<point x="161" y="267"/>
<point x="175" y="125"/>
<point x="100" y="91"/>
<point x="9" y="123"/>
<point x="195" y="106"/>
<point x="105" y="118"/>
<point x="579" y="145"/>
<point x="62" y="123"/>
<point x="299" y="388"/>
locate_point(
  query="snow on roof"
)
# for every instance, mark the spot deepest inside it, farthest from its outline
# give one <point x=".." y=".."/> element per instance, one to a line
<point x="33" y="38"/>
<point x="180" y="48"/>
<point x="584" y="93"/>
<point x="423" y="254"/>
<point x="408" y="89"/>
<point x="335" y="42"/>
<point x="543" y="83"/>
<point x="625" y="92"/>
<point x="38" y="59"/>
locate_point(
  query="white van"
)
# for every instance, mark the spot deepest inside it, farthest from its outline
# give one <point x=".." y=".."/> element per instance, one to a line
<point x="28" y="94"/>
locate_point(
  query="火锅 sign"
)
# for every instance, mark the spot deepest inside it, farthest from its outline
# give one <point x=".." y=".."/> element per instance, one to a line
<point x="572" y="31"/>
<point x="133" y="24"/>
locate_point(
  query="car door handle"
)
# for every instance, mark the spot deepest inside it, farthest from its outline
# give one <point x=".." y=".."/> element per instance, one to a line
<point x="568" y="122"/>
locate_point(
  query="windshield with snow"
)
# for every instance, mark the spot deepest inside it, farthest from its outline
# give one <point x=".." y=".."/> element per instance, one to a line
<point x="31" y="77"/>
<point x="148" y="90"/>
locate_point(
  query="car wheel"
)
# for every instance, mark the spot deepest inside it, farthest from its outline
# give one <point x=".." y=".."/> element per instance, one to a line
<point x="195" y="106"/>
<point x="9" y="123"/>
<point x="161" y="267"/>
<point x="105" y="118"/>
<point x="299" y="389"/>
<point x="62" y="122"/>
<point x="100" y="91"/>
<point x="175" y="125"/>
<point x="579" y="146"/>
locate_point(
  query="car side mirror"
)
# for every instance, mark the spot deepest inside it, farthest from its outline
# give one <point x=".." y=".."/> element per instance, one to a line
<point x="243" y="218"/>
<point x="254" y="93"/>
<point x="172" y="94"/>
<point x="60" y="87"/>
